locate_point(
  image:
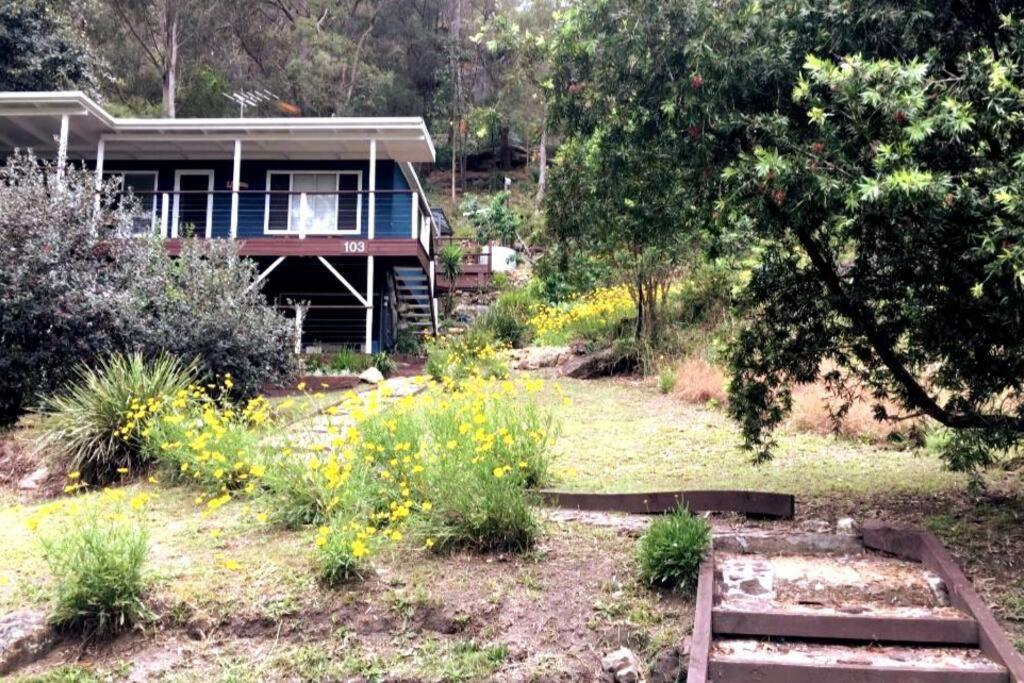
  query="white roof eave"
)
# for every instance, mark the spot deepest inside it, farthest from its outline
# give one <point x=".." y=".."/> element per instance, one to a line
<point x="406" y="130"/>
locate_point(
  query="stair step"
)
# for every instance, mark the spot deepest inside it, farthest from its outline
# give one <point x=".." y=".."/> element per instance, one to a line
<point x="895" y="625"/>
<point x="747" y="661"/>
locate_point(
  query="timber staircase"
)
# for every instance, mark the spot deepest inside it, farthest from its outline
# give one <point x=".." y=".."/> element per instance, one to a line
<point x="415" y="306"/>
<point x="837" y="610"/>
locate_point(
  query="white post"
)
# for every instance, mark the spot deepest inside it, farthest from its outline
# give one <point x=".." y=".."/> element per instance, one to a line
<point x="300" y="314"/>
<point x="415" y="213"/>
<point x="303" y="215"/>
<point x="62" y="146"/>
<point x="235" y="182"/>
<point x="164" y="202"/>
<point x="368" y="347"/>
<point x="100" y="149"/>
<point x="371" y="223"/>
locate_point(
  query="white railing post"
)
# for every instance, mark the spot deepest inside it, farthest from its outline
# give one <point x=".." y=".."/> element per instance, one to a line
<point x="235" y="183"/>
<point x="100" y="149"/>
<point x="368" y="346"/>
<point x="371" y="221"/>
<point x="303" y="215"/>
<point x="300" y="314"/>
<point x="165" y="201"/>
<point x="415" y="214"/>
<point x="62" y="147"/>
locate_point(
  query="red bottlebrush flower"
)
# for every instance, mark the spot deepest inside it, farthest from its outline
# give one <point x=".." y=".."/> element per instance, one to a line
<point x="778" y="196"/>
<point x="696" y="81"/>
<point x="818" y="147"/>
<point x="694" y="131"/>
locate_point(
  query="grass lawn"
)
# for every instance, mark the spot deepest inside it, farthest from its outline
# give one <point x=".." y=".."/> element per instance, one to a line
<point x="547" y="615"/>
<point x="622" y="435"/>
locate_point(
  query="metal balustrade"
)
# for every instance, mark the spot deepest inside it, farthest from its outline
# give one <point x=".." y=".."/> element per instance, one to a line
<point x="356" y="214"/>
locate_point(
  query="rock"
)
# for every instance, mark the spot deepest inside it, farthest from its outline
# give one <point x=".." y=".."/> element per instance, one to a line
<point x="846" y="525"/>
<point x="818" y="526"/>
<point x="668" y="664"/>
<point x="371" y="376"/>
<point x="602" y="363"/>
<point x="34" y="480"/>
<point x="24" y="637"/>
<point x="623" y="665"/>
<point x="628" y="675"/>
<point x="938" y="588"/>
<point x="535" y="357"/>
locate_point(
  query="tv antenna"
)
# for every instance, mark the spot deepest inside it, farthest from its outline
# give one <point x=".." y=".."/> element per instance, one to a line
<point x="249" y="98"/>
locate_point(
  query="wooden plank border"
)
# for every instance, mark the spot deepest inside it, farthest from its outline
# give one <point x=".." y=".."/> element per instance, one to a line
<point x="768" y="672"/>
<point x="924" y="547"/>
<point x="869" y="627"/>
<point x="764" y="504"/>
<point x="700" y="639"/>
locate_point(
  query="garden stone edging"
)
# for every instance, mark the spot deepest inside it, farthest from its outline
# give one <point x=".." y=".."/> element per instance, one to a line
<point x="25" y="636"/>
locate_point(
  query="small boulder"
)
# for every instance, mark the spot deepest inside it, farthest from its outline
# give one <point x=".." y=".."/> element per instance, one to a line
<point x="371" y="376"/>
<point x="623" y="665"/>
<point x="846" y="525"/>
<point x="536" y="357"/>
<point x="24" y="637"/>
<point x="34" y="480"/>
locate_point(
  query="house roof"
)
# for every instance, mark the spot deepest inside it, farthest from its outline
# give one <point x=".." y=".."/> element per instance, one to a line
<point x="32" y="119"/>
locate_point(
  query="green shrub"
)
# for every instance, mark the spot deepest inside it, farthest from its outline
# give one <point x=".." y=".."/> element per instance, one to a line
<point x="94" y="424"/>
<point x="666" y="381"/>
<point x="455" y="359"/>
<point x="343" y="547"/>
<point x="383" y="361"/>
<point x="508" y="318"/>
<point x="70" y="294"/>
<point x="409" y="342"/>
<point x="210" y="442"/>
<point x="96" y="548"/>
<point x="350" y="360"/>
<point x="477" y="509"/>
<point x="670" y="552"/>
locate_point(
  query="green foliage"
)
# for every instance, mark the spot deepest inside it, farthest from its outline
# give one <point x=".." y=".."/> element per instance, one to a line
<point x="208" y="441"/>
<point x="350" y="360"/>
<point x="450" y="260"/>
<point x="454" y="359"/>
<point x="565" y="272"/>
<point x="341" y="553"/>
<point x="670" y="552"/>
<point x="42" y="50"/>
<point x="96" y="551"/>
<point x="508" y="318"/>
<point x="71" y="294"/>
<point x="494" y="221"/>
<point x="94" y="424"/>
<point x="890" y="248"/>
<point x="666" y="381"/>
<point x="409" y="342"/>
<point x="383" y="361"/>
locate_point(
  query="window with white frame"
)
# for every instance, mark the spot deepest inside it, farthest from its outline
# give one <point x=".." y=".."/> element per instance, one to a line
<point x="314" y="201"/>
<point x="143" y="185"/>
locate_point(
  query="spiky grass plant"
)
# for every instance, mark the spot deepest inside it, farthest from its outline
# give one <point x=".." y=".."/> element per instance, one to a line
<point x="94" y="424"/>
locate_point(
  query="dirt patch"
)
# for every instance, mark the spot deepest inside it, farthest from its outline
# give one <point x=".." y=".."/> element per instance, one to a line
<point x="549" y="615"/>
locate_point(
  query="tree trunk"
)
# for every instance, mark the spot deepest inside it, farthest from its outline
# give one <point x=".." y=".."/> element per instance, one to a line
<point x="542" y="166"/>
<point x="170" y="57"/>
<point x="456" y="89"/>
<point x="505" y="151"/>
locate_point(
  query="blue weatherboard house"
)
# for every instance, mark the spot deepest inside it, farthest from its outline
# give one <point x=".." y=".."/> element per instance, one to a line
<point x="331" y="209"/>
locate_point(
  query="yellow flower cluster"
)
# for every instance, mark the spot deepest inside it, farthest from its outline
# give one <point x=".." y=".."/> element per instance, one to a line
<point x="596" y="310"/>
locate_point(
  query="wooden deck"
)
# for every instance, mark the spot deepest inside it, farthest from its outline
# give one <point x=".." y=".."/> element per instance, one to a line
<point x="287" y="245"/>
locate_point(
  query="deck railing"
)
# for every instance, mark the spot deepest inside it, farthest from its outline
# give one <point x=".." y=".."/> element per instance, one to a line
<point x="395" y="214"/>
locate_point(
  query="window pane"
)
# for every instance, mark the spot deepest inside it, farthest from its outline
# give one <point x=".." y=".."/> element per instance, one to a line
<point x="348" y="201"/>
<point x="277" y="218"/>
<point x="321" y="209"/>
